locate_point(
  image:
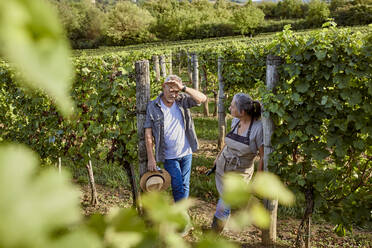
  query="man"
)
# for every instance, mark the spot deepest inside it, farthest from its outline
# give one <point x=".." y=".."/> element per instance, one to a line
<point x="169" y="122"/>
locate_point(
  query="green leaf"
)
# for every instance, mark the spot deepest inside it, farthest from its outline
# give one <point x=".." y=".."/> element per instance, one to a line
<point x="236" y="190"/>
<point x="355" y="98"/>
<point x="340" y="230"/>
<point x="255" y="214"/>
<point x="126" y="220"/>
<point x="160" y="210"/>
<point x="33" y="205"/>
<point x="319" y="154"/>
<point x="303" y="86"/>
<point x="32" y="38"/>
<point x="320" y="54"/>
<point x="122" y="239"/>
<point x="209" y="240"/>
<point x="77" y="238"/>
<point x="268" y="185"/>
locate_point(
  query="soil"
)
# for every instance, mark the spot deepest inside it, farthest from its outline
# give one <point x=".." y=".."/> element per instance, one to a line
<point x="202" y="213"/>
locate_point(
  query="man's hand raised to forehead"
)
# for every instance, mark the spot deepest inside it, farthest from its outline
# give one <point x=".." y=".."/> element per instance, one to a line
<point x="173" y="84"/>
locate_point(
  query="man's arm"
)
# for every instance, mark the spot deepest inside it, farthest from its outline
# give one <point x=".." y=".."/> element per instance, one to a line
<point x="151" y="163"/>
<point x="196" y="95"/>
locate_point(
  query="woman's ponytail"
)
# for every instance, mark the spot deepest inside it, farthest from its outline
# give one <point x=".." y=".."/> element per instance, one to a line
<point x="245" y="102"/>
<point x="256" y="110"/>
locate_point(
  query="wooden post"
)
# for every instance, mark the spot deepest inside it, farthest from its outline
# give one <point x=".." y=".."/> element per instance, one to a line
<point x="195" y="73"/>
<point x="170" y="69"/>
<point x="269" y="235"/>
<point x="179" y="64"/>
<point x="142" y="98"/>
<point x="204" y="82"/>
<point x="94" y="196"/>
<point x="189" y="72"/>
<point x="155" y="60"/>
<point x="59" y="165"/>
<point x="221" y="107"/>
<point x="162" y="66"/>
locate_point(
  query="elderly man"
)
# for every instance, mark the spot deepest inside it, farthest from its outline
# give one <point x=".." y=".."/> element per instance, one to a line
<point x="169" y="122"/>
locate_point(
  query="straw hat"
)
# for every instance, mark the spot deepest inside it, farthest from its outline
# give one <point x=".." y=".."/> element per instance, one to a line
<point x="155" y="181"/>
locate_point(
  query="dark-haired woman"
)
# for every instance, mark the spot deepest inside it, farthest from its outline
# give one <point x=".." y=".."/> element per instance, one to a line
<point x="242" y="144"/>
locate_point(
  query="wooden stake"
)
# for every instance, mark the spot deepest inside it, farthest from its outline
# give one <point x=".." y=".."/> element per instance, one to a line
<point x="155" y="60"/>
<point x="195" y="73"/>
<point x="179" y="64"/>
<point x="269" y="235"/>
<point x="221" y="107"/>
<point x="170" y="69"/>
<point x="94" y="197"/>
<point x="142" y="98"/>
<point x="59" y="165"/>
<point x="163" y="71"/>
<point x="204" y="80"/>
<point x="189" y="72"/>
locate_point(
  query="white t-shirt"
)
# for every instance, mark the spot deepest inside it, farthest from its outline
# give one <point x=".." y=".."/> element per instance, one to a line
<point x="176" y="143"/>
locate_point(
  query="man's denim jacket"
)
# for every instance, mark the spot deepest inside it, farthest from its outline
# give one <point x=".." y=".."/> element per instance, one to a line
<point x="155" y="120"/>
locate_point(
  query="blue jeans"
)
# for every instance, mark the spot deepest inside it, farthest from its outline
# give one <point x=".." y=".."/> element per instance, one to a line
<point x="179" y="169"/>
<point x="222" y="210"/>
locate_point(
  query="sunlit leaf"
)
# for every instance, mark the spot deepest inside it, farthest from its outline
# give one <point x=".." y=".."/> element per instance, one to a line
<point x="256" y="214"/>
<point x="122" y="239"/>
<point x="32" y="205"/>
<point x="269" y="186"/>
<point x="126" y="220"/>
<point x="161" y="209"/>
<point x="236" y="190"/>
<point x="208" y="241"/>
<point x="32" y="39"/>
<point x="77" y="238"/>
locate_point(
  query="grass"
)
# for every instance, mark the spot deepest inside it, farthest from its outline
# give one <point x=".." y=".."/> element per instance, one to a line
<point x="108" y="174"/>
<point x="200" y="109"/>
<point x="207" y="127"/>
<point x="202" y="186"/>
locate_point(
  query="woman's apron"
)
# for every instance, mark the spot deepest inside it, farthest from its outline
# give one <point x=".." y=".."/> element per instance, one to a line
<point x="236" y="156"/>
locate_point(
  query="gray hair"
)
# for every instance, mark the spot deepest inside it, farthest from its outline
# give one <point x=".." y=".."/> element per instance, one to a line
<point x="245" y="102"/>
<point x="173" y="78"/>
<point x="242" y="101"/>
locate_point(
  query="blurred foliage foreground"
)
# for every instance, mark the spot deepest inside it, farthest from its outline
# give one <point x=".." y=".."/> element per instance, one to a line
<point x="40" y="208"/>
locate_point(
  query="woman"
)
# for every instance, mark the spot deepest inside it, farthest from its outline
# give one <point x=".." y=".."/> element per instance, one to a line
<point x="241" y="146"/>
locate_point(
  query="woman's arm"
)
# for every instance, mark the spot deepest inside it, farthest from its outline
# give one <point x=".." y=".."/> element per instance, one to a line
<point x="261" y="154"/>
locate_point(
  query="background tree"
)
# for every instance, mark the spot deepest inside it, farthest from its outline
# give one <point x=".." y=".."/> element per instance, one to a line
<point x="318" y="12"/>
<point x="83" y="22"/>
<point x="247" y="19"/>
<point x="358" y="12"/>
<point x="289" y="9"/>
<point x="128" y="23"/>
<point x="337" y="4"/>
<point x="268" y="8"/>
